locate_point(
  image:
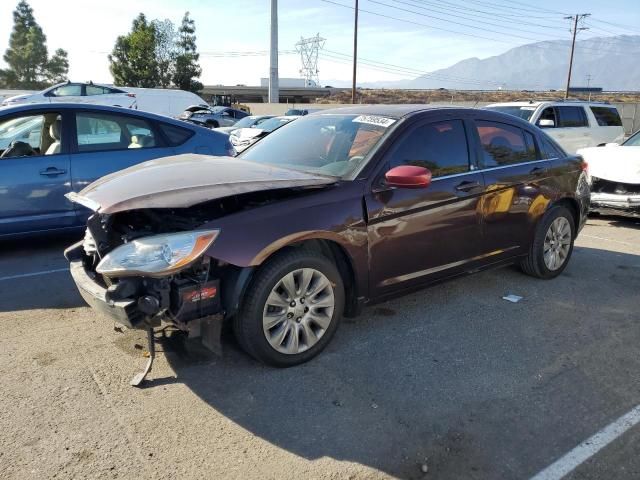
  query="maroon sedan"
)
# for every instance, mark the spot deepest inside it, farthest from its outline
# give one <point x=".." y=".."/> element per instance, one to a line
<point x="336" y="210"/>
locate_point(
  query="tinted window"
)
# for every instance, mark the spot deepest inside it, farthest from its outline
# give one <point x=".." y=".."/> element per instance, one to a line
<point x="572" y="117"/>
<point x="607" y="116"/>
<point x="175" y="135"/>
<point x="548" y="113"/>
<point x="549" y="148"/>
<point x="70" y="90"/>
<point x="633" y="141"/>
<point x="441" y="147"/>
<point x="98" y="131"/>
<point x="503" y="144"/>
<point x="531" y="146"/>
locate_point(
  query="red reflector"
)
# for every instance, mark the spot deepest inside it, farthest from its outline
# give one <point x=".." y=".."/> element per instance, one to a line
<point x="585" y="166"/>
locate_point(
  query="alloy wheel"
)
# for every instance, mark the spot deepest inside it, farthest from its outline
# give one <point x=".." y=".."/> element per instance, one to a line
<point x="298" y="311"/>
<point x="557" y="243"/>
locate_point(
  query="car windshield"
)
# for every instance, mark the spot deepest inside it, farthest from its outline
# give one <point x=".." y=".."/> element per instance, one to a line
<point x="633" y="141"/>
<point x="245" y="122"/>
<point x="331" y="144"/>
<point x="522" y="112"/>
<point x="273" y="123"/>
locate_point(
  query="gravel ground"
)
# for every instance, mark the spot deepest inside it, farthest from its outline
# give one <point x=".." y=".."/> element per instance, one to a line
<point x="452" y="380"/>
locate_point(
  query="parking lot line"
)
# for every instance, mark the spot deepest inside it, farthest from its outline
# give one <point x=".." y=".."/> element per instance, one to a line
<point x="590" y="447"/>
<point x="34" y="274"/>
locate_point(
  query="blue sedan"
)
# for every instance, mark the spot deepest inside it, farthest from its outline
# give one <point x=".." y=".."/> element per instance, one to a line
<point x="48" y="150"/>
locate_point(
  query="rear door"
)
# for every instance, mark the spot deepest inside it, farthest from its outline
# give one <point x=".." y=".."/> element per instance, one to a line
<point x="99" y="95"/>
<point x="608" y="124"/>
<point x="574" y="125"/>
<point x="105" y="142"/>
<point x="418" y="235"/>
<point x="34" y="180"/>
<point x="513" y="171"/>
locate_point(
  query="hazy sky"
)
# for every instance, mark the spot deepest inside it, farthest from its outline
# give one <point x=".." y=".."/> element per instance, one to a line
<point x="87" y="30"/>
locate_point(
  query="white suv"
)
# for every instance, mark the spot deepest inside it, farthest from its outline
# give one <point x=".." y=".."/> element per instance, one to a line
<point x="572" y="124"/>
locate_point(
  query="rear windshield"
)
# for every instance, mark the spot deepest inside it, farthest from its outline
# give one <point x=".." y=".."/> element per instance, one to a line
<point x="607" y="116"/>
<point x="521" y="112"/>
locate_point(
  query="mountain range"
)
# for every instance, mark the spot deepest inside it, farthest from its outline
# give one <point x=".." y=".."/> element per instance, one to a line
<point x="610" y="62"/>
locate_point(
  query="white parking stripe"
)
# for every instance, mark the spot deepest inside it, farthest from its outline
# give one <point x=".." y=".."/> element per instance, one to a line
<point x="34" y="274"/>
<point x="589" y="447"/>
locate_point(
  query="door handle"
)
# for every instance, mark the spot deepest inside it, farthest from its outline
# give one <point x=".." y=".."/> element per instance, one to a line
<point x="52" y="172"/>
<point x="537" y="171"/>
<point x="467" y="185"/>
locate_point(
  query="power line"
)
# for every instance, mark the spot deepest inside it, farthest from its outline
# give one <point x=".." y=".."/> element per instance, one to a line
<point x="575" y="18"/>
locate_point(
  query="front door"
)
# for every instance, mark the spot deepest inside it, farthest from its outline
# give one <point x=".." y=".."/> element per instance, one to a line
<point x="34" y="174"/>
<point x="416" y="235"/>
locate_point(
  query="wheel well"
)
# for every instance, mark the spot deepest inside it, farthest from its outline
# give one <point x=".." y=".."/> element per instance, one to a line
<point x="337" y="254"/>
<point x="573" y="207"/>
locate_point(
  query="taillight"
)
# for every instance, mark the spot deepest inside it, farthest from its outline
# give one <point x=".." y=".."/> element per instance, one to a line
<point x="132" y="95"/>
<point x="585" y="167"/>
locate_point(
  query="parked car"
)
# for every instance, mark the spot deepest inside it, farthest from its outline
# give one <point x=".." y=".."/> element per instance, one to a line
<point x="169" y="102"/>
<point x="48" y="150"/>
<point x="330" y="213"/>
<point x="574" y="125"/>
<point x="212" y="117"/>
<point x="251" y="121"/>
<point x="614" y="172"/>
<point x="300" y="112"/>
<point x="77" y="92"/>
<point x="243" y="138"/>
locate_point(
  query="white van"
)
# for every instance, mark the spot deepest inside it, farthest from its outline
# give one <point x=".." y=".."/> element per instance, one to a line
<point x="168" y="102"/>
<point x="573" y="124"/>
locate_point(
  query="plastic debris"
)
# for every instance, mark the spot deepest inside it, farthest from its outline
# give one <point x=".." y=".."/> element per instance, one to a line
<point x="512" y="298"/>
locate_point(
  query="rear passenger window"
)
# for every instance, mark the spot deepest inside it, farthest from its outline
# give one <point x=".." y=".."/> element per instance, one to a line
<point x="441" y="147"/>
<point x="503" y="144"/>
<point x="175" y="135"/>
<point x="572" y="117"/>
<point x="607" y="116"/>
<point x="550" y="149"/>
<point x="99" y="131"/>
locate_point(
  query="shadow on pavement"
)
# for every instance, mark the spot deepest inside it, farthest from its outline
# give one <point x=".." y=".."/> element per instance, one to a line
<point x="452" y="377"/>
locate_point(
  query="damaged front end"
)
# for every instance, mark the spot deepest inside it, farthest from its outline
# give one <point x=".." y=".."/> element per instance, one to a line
<point x="615" y="197"/>
<point x="148" y="268"/>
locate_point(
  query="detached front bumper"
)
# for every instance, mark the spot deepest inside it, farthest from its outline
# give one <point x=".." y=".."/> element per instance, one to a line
<point x="122" y="311"/>
<point x="629" y="203"/>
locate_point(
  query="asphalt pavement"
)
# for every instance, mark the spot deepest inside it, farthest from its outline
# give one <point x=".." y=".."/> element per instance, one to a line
<point x="450" y="382"/>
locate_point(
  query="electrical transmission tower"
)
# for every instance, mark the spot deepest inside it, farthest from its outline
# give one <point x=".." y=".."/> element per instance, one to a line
<point x="308" y="49"/>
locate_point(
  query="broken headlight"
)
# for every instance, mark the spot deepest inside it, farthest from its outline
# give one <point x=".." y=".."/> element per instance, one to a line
<point x="158" y="255"/>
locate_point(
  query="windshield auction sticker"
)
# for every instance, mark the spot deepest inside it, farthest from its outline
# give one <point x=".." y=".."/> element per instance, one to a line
<point x="375" y="120"/>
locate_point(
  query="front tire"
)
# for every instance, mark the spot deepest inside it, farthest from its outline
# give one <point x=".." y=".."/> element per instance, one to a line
<point x="292" y="308"/>
<point x="552" y="244"/>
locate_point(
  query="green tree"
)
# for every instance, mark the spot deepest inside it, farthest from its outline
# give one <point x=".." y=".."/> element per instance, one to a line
<point x="27" y="57"/>
<point x="166" y="50"/>
<point x="187" y="69"/>
<point x="133" y="61"/>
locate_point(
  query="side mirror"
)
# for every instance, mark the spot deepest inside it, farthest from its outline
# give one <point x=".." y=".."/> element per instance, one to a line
<point x="408" y="176"/>
<point x="546" y="123"/>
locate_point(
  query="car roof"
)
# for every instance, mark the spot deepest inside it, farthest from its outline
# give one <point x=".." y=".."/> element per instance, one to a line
<point x="393" y="111"/>
<point x="86" y="107"/>
<point x="549" y="102"/>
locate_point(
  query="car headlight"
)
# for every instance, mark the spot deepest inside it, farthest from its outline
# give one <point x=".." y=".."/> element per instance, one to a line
<point x="158" y="255"/>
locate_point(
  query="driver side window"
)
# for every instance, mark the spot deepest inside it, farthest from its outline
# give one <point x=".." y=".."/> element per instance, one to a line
<point x="31" y="135"/>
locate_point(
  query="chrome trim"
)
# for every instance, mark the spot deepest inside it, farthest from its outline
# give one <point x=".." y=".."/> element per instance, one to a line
<point x="480" y="170"/>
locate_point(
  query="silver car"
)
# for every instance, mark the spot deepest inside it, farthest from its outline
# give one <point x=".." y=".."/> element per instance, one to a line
<point x="251" y="121"/>
<point x="212" y="117"/>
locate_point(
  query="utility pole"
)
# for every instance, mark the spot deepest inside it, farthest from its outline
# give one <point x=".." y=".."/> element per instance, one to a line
<point x="355" y="54"/>
<point x="576" y="18"/>
<point x="274" y="90"/>
<point x="589" y="85"/>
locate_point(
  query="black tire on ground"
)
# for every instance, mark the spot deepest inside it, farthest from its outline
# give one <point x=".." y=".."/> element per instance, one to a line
<point x="247" y="325"/>
<point x="533" y="264"/>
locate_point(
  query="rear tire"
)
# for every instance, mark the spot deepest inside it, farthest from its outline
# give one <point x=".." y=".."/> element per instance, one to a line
<point x="292" y="308"/>
<point x="552" y="244"/>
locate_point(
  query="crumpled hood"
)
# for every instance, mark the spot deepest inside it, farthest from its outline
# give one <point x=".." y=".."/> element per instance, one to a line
<point x="613" y="163"/>
<point x="186" y="180"/>
<point x="247" y="133"/>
